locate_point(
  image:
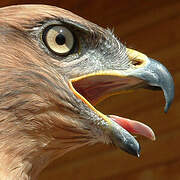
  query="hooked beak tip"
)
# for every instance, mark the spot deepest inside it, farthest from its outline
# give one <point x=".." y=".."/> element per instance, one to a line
<point x="155" y="74"/>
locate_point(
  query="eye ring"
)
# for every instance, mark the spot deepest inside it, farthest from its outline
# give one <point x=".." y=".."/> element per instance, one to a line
<point x="58" y="39"/>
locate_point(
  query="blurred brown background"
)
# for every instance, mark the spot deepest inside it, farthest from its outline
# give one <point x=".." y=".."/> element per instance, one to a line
<point x="152" y="27"/>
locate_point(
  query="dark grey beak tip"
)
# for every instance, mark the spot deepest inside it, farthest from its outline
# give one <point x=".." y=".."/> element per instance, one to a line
<point x="166" y="109"/>
<point x="167" y="85"/>
<point x="124" y="140"/>
<point x="131" y="146"/>
<point x="167" y="106"/>
<point x="157" y="76"/>
<point x="135" y="150"/>
<point x="164" y="80"/>
<point x="169" y="94"/>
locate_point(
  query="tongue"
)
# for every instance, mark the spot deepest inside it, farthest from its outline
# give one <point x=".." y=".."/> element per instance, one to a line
<point x="134" y="127"/>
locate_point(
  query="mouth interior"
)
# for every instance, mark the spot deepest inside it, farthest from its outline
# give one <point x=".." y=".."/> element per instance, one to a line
<point x="98" y="87"/>
<point x="94" y="88"/>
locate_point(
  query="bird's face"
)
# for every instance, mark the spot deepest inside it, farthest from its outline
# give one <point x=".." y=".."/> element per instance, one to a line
<point x="60" y="65"/>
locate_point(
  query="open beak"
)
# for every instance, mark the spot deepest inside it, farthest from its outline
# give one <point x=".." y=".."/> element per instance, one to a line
<point x="144" y="73"/>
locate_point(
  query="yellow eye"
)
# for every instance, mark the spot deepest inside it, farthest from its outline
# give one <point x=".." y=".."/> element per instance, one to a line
<point x="58" y="39"/>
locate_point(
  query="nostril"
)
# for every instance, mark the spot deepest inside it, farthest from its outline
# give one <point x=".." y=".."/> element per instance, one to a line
<point x="137" y="62"/>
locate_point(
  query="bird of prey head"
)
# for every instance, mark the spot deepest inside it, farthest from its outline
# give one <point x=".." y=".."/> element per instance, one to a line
<point x="54" y="67"/>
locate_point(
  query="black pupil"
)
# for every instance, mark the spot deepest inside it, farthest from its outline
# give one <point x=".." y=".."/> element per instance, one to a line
<point x="60" y="39"/>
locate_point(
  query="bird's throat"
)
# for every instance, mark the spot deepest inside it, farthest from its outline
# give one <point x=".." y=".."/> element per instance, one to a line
<point x="25" y="166"/>
<point x="26" y="156"/>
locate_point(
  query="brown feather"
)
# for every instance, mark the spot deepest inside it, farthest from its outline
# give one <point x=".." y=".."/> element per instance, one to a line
<point x="34" y="99"/>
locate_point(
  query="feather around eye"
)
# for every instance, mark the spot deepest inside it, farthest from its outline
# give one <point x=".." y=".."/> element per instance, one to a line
<point x="58" y="39"/>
